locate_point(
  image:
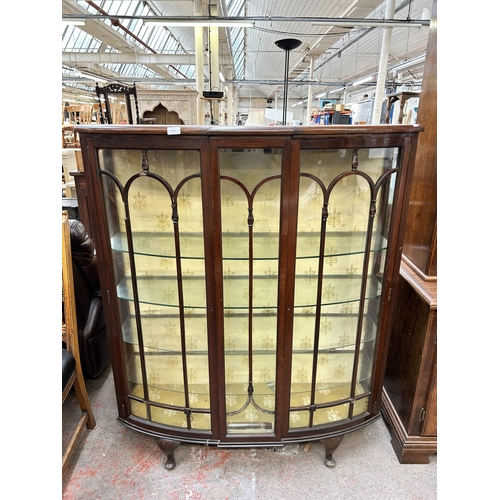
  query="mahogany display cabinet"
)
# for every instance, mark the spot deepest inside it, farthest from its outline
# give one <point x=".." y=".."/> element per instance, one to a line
<point x="247" y="275"/>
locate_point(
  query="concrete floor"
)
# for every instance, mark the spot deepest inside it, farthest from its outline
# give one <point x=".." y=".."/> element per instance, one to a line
<point x="115" y="462"/>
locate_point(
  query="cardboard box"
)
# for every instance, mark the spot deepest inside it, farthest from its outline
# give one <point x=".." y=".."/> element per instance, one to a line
<point x="339" y="107"/>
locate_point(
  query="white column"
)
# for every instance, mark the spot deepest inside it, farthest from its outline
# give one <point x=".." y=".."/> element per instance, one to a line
<point x="310" y="94"/>
<point x="200" y="62"/>
<point x="214" y="62"/>
<point x="382" y="69"/>
<point x="229" y="97"/>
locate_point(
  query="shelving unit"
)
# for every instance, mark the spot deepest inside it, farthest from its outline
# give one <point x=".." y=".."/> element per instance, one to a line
<point x="248" y="274"/>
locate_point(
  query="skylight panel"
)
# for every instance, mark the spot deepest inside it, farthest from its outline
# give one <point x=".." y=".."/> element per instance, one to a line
<point x="76" y="40"/>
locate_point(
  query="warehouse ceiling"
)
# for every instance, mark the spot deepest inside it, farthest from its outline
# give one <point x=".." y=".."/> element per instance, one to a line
<point x="115" y="45"/>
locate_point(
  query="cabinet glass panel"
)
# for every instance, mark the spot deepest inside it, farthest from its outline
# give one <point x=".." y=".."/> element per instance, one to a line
<point x="154" y="210"/>
<point x="341" y="244"/>
<point x="251" y="198"/>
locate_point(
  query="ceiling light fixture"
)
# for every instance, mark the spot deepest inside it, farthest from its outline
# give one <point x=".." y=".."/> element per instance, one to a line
<point x="203" y="22"/>
<point x="74" y="22"/>
<point x="363" y="80"/>
<point x="368" y="24"/>
<point x="93" y="77"/>
<point x="409" y="64"/>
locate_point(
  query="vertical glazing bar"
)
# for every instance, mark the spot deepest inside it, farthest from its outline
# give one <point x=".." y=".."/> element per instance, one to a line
<point x="317" y="324"/>
<point x="133" y="274"/>
<point x="362" y="296"/>
<point x="250" y="296"/>
<point x="362" y="299"/>
<point x="180" y="291"/>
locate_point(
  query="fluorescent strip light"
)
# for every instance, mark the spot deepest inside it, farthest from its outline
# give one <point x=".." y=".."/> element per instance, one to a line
<point x="363" y="80"/>
<point x="93" y="77"/>
<point x="202" y="22"/>
<point x="74" y="22"/>
<point x="409" y="64"/>
<point x="336" y="90"/>
<point x="367" y="24"/>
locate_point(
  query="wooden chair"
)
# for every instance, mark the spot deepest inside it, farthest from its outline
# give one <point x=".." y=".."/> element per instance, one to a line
<point x="72" y="376"/>
<point x="117" y="90"/>
<point x="77" y="115"/>
<point x="80" y="114"/>
<point x="69" y="137"/>
<point x="117" y="111"/>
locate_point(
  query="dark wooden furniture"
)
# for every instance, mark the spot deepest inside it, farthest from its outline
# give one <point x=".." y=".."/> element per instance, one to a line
<point x="127" y="92"/>
<point x="248" y="274"/>
<point x="72" y="376"/>
<point x="83" y="202"/>
<point x="91" y="333"/>
<point x="409" y="401"/>
<point x="124" y="92"/>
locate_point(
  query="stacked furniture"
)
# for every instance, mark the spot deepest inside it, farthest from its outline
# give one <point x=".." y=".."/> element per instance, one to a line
<point x="72" y="375"/>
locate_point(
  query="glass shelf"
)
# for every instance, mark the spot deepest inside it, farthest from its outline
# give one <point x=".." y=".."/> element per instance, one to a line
<point x="173" y="393"/>
<point x="162" y="291"/>
<point x="161" y="245"/>
<point x="235" y="245"/>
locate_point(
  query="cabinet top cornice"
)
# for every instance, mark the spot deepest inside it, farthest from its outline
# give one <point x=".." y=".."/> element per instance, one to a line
<point x="248" y="131"/>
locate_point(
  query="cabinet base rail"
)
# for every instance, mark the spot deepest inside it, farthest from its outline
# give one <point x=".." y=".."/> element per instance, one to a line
<point x="168" y="445"/>
<point x="409" y="449"/>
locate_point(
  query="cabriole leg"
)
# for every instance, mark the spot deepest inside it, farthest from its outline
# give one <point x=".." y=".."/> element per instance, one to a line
<point x="331" y="445"/>
<point x="168" y="446"/>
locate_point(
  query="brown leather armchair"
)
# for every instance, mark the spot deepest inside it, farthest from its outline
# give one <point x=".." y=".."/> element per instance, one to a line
<point x="92" y="334"/>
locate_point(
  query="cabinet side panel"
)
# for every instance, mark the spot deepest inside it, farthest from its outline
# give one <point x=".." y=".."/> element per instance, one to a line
<point x="429" y="427"/>
<point x="420" y="236"/>
<point x="406" y="342"/>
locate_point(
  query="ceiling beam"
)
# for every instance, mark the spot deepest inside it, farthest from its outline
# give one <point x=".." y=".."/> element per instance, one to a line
<point x="182" y="81"/>
<point x="126" y="58"/>
<point x="134" y="58"/>
<point x="266" y="19"/>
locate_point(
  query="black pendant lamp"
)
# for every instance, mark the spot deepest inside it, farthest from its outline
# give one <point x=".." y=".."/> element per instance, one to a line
<point x="287" y="44"/>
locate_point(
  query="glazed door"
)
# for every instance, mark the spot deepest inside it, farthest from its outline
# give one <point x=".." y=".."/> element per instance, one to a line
<point x="155" y="213"/>
<point x="251" y="191"/>
<point x="343" y="221"/>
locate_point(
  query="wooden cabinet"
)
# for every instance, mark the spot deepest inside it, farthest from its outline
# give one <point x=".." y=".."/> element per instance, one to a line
<point x="247" y="274"/>
<point x="409" y="402"/>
